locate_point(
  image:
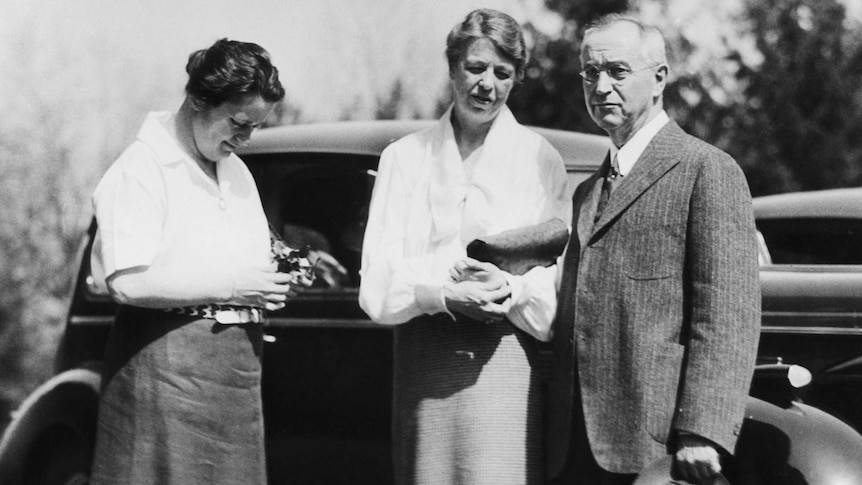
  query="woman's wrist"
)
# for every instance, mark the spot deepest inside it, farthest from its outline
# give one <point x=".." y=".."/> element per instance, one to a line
<point x="431" y="299"/>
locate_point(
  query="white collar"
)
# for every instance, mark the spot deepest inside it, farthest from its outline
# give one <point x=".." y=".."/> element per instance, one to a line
<point x="629" y="153"/>
<point x="459" y="195"/>
<point x="157" y="134"/>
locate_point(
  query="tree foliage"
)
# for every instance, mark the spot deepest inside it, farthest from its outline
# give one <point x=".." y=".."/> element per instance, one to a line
<point x="63" y="127"/>
<point x="800" y="127"/>
<point x="780" y="89"/>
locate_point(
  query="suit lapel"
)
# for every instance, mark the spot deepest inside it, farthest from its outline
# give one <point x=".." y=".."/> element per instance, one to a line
<point x="587" y="201"/>
<point x="654" y="162"/>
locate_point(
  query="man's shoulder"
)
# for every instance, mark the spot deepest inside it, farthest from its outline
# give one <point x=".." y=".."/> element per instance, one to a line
<point x="689" y="145"/>
<point x="701" y="159"/>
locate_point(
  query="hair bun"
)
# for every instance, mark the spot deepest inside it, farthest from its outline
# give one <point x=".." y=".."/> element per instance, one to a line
<point x="229" y="70"/>
<point x="195" y="60"/>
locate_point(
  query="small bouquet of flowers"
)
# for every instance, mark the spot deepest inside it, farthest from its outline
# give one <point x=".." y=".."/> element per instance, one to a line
<point x="292" y="261"/>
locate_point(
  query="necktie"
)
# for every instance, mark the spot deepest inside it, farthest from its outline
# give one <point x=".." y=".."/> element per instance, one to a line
<point x="612" y="177"/>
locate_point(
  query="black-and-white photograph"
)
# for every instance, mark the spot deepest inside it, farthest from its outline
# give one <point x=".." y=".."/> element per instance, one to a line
<point x="401" y="242"/>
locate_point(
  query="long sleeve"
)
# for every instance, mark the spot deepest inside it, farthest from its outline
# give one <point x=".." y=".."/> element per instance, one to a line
<point x="534" y="300"/>
<point x="725" y="300"/>
<point x="533" y="303"/>
<point x="394" y="289"/>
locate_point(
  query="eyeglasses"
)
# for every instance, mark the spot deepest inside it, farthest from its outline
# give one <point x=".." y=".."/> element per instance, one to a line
<point x="617" y="73"/>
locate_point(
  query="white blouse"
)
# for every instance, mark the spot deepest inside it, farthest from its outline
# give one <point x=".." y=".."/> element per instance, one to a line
<point x="155" y="207"/>
<point x="428" y="204"/>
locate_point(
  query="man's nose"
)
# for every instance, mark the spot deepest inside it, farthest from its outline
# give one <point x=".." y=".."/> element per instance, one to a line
<point x="604" y="84"/>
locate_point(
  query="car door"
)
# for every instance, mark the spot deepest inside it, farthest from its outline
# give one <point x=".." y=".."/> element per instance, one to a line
<point x="327" y="368"/>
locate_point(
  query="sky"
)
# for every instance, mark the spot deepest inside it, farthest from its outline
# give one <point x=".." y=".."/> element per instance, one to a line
<point x="81" y="75"/>
<point x="335" y="56"/>
<point x="109" y="62"/>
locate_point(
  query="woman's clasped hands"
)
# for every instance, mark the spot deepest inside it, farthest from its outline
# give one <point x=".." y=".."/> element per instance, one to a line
<point x="477" y="290"/>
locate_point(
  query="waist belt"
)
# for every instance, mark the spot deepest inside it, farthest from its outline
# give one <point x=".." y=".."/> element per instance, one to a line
<point x="225" y="314"/>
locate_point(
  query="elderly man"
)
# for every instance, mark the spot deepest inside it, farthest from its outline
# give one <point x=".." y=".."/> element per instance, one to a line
<point x="657" y="322"/>
<point x="659" y="303"/>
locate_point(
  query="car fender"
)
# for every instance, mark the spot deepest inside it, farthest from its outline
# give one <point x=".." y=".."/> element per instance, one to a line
<point x="797" y="445"/>
<point x="67" y="401"/>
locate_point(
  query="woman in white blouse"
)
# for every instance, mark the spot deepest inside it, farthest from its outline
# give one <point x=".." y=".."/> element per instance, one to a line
<point x="466" y="407"/>
<point x="185" y="246"/>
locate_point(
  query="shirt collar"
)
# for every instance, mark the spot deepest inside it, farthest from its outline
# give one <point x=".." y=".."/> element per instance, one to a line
<point x="629" y="153"/>
<point x="156" y="134"/>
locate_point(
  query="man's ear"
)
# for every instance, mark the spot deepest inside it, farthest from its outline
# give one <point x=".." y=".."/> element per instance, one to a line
<point x="660" y="79"/>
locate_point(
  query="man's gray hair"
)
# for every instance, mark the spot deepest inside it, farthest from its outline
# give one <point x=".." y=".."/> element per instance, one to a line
<point x="654" y="48"/>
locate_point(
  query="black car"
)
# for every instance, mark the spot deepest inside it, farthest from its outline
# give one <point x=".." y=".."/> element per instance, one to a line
<point x="811" y="275"/>
<point x="327" y="368"/>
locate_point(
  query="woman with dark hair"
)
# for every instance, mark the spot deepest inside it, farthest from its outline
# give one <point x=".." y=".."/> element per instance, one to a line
<point x="185" y="247"/>
<point x="467" y="407"/>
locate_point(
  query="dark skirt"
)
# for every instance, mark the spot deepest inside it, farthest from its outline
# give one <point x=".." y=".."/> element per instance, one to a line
<point x="180" y="402"/>
<point x="468" y="403"/>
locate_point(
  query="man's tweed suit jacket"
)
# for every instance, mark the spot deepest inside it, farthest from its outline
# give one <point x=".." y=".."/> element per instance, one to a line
<point x="659" y="307"/>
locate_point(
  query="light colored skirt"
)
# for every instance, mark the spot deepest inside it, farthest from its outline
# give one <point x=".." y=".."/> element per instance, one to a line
<point x="468" y="403"/>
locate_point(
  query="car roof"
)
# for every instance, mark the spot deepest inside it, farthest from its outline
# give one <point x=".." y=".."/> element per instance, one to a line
<point x="579" y="150"/>
<point x="831" y="203"/>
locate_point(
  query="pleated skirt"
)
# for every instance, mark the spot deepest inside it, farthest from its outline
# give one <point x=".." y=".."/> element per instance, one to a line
<point x="468" y="403"/>
<point x="180" y="402"/>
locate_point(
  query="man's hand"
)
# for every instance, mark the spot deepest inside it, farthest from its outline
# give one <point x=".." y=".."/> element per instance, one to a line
<point x="696" y="459"/>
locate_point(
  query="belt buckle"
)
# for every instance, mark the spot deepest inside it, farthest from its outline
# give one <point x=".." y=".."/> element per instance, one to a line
<point x="227" y="317"/>
<point x="239" y="316"/>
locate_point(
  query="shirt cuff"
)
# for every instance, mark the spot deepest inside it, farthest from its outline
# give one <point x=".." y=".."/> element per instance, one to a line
<point x="515" y="287"/>
<point x="430" y="299"/>
<point x="527" y="308"/>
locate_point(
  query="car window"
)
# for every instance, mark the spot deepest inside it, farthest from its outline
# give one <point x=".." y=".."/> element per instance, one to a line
<point x="834" y="241"/>
<point x="319" y="201"/>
